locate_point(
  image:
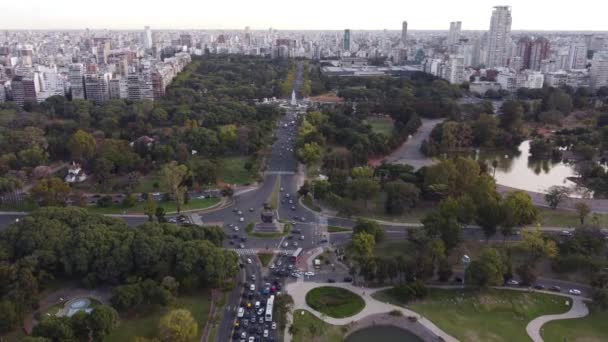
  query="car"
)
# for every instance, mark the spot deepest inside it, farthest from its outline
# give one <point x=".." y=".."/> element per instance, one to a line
<point x="539" y="287"/>
<point x="236" y="229"/>
<point x="241" y="219"/>
<point x="295" y="274"/>
<point x="261" y="320"/>
<point x="248" y="261"/>
<point x="243" y="334"/>
<point x="348" y="279"/>
<point x="241" y="245"/>
<point x="293" y="208"/>
<point x="303" y="219"/>
<point x="295" y="244"/>
<point x="260" y="311"/>
<point x="290" y="201"/>
<point x="330" y="280"/>
<point x="286" y="244"/>
<point x="273" y="326"/>
<point x="309" y="274"/>
<point x="239" y="212"/>
<point x="512" y="282"/>
<point x="252" y="277"/>
<point x="301" y="237"/>
<point x="282" y="189"/>
<point x="574" y="292"/>
<point x="565" y="233"/>
<point x="251" y="339"/>
<point x="240" y="313"/>
<point x="252" y="287"/>
<point x="265" y="332"/>
<point x="231" y="242"/>
<point x="272" y="266"/>
<point x="257" y="304"/>
<point x="555" y="288"/>
<point x="289" y="237"/>
<point x="287" y="195"/>
<point x="251" y="209"/>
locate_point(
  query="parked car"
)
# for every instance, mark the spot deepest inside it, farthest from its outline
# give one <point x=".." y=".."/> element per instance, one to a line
<point x="330" y="280"/>
<point x="555" y="288"/>
<point x="348" y="279"/>
<point x="574" y="292"/>
<point x="539" y="287"/>
<point x="512" y="282"/>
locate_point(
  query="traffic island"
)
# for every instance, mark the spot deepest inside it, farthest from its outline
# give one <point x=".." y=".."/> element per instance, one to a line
<point x="335" y="302"/>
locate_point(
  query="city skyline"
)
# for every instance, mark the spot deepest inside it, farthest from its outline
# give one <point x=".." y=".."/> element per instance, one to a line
<point x="527" y="15"/>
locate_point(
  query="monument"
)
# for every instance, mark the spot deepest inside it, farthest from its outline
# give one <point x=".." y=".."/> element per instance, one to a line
<point x="294" y="102"/>
<point x="268" y="222"/>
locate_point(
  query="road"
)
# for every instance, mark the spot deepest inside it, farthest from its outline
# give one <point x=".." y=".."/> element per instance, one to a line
<point x="409" y="151"/>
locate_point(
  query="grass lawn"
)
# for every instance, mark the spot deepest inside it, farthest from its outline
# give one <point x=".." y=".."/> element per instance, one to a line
<point x="233" y="170"/>
<point x="147" y="183"/>
<point x="382" y="125"/>
<point x="310" y="328"/>
<point x="307" y="201"/>
<point x="588" y="329"/>
<point x="334" y="301"/>
<point x="390" y="249"/>
<point x="194" y="203"/>
<point x="265" y="258"/>
<point x="566" y="218"/>
<point x="334" y="229"/>
<point x="490" y="315"/>
<point x="146" y="325"/>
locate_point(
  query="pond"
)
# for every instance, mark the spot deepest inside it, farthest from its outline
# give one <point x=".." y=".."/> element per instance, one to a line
<point x="517" y="170"/>
<point x="384" y="334"/>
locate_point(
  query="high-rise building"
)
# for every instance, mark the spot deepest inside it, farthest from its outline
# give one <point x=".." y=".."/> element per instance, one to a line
<point x="454" y="69"/>
<point x="499" y="37"/>
<point x="454" y="34"/>
<point x="346" y="40"/>
<point x="147" y="37"/>
<point x="75" y="77"/>
<point x="24" y="88"/>
<point x="97" y="87"/>
<point x="139" y="85"/>
<point x="599" y="70"/>
<point x="403" y="32"/>
<point x="538" y="51"/>
<point x="577" y="56"/>
<point x="118" y="89"/>
<point x="522" y="50"/>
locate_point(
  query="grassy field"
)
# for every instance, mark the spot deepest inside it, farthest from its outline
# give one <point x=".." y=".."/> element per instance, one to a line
<point x="170" y="207"/>
<point x="307" y="201"/>
<point x="566" y="218"/>
<point x="334" y="301"/>
<point x="389" y="249"/>
<point x="491" y="315"/>
<point x="149" y="183"/>
<point x="265" y="258"/>
<point x="334" y="229"/>
<point x="382" y="125"/>
<point x="146" y="324"/>
<point x="592" y="328"/>
<point x="233" y="171"/>
<point x="310" y="328"/>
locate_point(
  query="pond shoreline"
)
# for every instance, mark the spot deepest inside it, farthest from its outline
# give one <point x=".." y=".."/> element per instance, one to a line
<point x="386" y="319"/>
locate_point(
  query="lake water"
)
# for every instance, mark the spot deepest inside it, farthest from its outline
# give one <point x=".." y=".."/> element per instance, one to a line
<point x="383" y="334"/>
<point x="517" y="170"/>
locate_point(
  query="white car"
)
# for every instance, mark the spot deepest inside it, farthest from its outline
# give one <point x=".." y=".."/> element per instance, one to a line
<point x="248" y="261"/>
<point x="286" y="244"/>
<point x="241" y="219"/>
<point x="240" y="313"/>
<point x="574" y="292"/>
<point x="273" y="326"/>
<point x="309" y="274"/>
<point x="236" y="228"/>
<point x="512" y="282"/>
<point x="257" y="305"/>
<point x="251" y="339"/>
<point x="272" y="266"/>
<point x="252" y="287"/>
<point x="265" y="332"/>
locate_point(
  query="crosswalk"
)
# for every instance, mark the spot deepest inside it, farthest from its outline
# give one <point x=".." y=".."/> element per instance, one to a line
<point x="253" y="251"/>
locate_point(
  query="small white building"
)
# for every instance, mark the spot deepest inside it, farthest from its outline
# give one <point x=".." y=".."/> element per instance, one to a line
<point x="75" y="174"/>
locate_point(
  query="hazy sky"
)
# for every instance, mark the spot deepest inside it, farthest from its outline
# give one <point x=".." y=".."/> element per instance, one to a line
<point x="306" y="14"/>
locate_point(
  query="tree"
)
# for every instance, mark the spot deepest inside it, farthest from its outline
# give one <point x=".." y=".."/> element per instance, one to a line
<point x="160" y="214"/>
<point x="488" y="270"/>
<point x="556" y="195"/>
<point x="56" y="329"/>
<point x="177" y="326"/>
<point x="370" y="227"/>
<point x="82" y="145"/>
<point x="363" y="244"/>
<point x="50" y="192"/>
<point x="150" y="208"/>
<point x="101" y="321"/>
<point x="489" y="217"/>
<point x="8" y="316"/>
<point x="536" y="246"/>
<point x="310" y="153"/>
<point x="444" y="225"/>
<point x="582" y="209"/>
<point x="518" y="209"/>
<point x="365" y="188"/>
<point x="173" y="176"/>
<point x="512" y="116"/>
<point x="400" y="195"/>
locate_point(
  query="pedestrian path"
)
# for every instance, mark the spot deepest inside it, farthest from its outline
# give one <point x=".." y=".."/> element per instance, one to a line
<point x="579" y="309"/>
<point x="253" y="251"/>
<point x="298" y="292"/>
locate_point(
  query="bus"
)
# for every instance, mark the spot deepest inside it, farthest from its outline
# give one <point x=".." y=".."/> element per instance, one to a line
<point x="296" y="255"/>
<point x="269" y="305"/>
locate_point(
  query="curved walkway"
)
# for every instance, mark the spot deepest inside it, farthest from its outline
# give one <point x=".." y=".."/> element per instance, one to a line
<point x="299" y="289"/>
<point x="579" y="309"/>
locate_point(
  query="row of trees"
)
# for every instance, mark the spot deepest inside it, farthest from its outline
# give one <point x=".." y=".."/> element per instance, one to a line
<point x="71" y="243"/>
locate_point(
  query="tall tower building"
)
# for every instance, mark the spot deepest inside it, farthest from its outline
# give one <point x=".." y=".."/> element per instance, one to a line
<point x="97" y="87"/>
<point x="403" y="32"/>
<point x="599" y="70"/>
<point x="538" y="51"/>
<point x="523" y="50"/>
<point x="454" y="34"/>
<point x="499" y="36"/>
<point x="75" y="77"/>
<point x="577" y="56"/>
<point x="147" y="37"/>
<point x="346" y="42"/>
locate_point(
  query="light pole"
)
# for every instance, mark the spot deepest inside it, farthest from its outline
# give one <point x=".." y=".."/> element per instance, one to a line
<point x="466" y="260"/>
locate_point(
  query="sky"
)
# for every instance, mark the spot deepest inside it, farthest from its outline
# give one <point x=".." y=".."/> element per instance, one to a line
<point x="296" y="15"/>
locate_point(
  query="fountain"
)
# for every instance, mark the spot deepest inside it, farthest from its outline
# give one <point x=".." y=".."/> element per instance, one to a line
<point x="294" y="102"/>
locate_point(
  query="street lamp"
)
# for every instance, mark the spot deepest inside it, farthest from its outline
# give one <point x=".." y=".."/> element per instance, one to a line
<point x="466" y="260"/>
